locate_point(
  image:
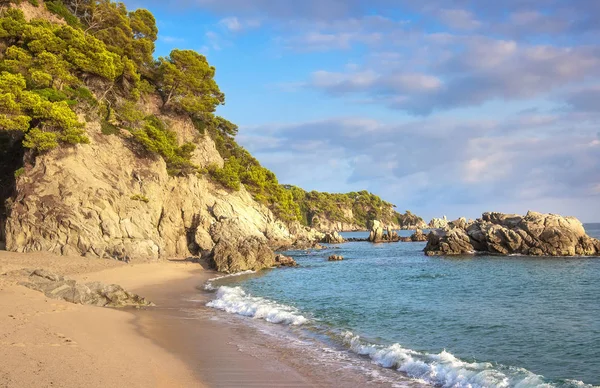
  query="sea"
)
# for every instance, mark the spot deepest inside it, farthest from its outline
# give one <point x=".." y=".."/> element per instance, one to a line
<point x="469" y="321"/>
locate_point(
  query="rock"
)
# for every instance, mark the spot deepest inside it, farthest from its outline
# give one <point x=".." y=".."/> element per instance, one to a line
<point x="504" y="234"/>
<point x="377" y="234"/>
<point x="335" y="258"/>
<point x="237" y="255"/>
<point x="98" y="294"/>
<point x="438" y="223"/>
<point x="376" y="231"/>
<point x="285" y="261"/>
<point x="418" y="236"/>
<point x="333" y="238"/>
<point x="409" y="221"/>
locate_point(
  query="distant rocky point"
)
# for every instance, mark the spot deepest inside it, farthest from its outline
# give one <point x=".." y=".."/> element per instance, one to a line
<point x="535" y="234"/>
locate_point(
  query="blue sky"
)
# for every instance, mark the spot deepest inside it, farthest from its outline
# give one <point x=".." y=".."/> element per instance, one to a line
<point x="443" y="107"/>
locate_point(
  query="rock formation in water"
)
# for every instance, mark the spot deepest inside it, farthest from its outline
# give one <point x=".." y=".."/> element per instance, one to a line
<point x="380" y="234"/>
<point x="285" y="261"/>
<point x="438" y="223"/>
<point x="333" y="238"/>
<point x="418" y="236"/>
<point x="335" y="258"/>
<point x="496" y="233"/>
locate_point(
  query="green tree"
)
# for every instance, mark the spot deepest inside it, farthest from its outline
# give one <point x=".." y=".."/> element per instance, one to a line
<point x="186" y="83"/>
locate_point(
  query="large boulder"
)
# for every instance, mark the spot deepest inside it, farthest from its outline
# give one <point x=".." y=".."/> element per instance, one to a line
<point x="335" y="258"/>
<point x="504" y="234"/>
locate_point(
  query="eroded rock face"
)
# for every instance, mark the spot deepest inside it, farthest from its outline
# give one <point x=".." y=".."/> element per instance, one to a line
<point x="496" y="233"/>
<point x="97" y="294"/>
<point x="105" y="200"/>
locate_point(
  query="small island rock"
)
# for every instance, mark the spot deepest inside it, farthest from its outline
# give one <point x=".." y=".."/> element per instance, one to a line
<point x="535" y="234"/>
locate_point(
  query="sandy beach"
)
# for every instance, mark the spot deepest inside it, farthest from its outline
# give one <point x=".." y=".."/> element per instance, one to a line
<point x="177" y="343"/>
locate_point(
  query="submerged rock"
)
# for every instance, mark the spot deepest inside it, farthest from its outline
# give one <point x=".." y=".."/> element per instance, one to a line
<point x="496" y="233"/>
<point x="98" y="294"/>
<point x="335" y="258"/>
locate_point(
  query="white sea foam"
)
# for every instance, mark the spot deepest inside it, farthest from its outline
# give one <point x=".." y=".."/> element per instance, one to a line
<point x="444" y="369"/>
<point x="209" y="283"/>
<point x="237" y="301"/>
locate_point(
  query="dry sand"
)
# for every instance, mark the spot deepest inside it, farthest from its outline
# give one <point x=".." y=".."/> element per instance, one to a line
<point x="50" y="343"/>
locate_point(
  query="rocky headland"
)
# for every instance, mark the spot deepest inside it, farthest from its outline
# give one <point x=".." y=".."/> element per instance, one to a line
<point x="534" y="234"/>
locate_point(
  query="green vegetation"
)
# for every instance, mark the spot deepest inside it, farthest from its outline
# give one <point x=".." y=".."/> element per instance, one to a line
<point x="100" y="65"/>
<point x="351" y="208"/>
<point x="156" y="138"/>
<point x="19" y="172"/>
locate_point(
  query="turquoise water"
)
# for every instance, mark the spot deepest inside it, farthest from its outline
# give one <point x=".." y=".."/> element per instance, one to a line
<point x="467" y="321"/>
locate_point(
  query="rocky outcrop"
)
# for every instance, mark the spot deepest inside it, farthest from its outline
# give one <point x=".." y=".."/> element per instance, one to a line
<point x="496" y="233"/>
<point x="409" y="221"/>
<point x="418" y="236"/>
<point x="379" y="234"/>
<point x="335" y="258"/>
<point x="98" y="294"/>
<point x="333" y="238"/>
<point x="285" y="261"/>
<point x="438" y="223"/>
<point x="105" y="200"/>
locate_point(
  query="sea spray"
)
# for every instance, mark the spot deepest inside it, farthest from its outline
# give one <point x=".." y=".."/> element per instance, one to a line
<point x="237" y="301"/>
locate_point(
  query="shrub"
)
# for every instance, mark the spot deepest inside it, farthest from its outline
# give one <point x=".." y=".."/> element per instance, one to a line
<point x="156" y="138"/>
<point x="19" y="172"/>
<point x="108" y="128"/>
<point x="58" y="8"/>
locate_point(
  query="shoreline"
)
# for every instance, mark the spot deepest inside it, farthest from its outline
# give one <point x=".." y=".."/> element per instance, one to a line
<point x="228" y="350"/>
<point x="178" y="343"/>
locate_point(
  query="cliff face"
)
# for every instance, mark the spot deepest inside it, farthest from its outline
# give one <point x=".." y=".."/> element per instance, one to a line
<point x="104" y="200"/>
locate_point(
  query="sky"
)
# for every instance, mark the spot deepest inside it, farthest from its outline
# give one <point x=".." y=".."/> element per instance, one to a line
<point x="442" y="107"/>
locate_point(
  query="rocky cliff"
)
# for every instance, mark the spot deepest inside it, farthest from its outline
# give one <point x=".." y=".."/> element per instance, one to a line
<point x="102" y="199"/>
<point x="496" y="233"/>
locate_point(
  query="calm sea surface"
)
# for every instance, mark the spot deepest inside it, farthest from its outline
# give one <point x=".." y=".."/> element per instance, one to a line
<point x="456" y="322"/>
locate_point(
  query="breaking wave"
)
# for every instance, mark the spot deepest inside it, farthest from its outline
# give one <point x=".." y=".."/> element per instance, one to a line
<point x="445" y="370"/>
<point x="237" y="301"/>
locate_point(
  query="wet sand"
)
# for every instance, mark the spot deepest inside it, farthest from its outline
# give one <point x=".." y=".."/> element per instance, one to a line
<point x="226" y="350"/>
